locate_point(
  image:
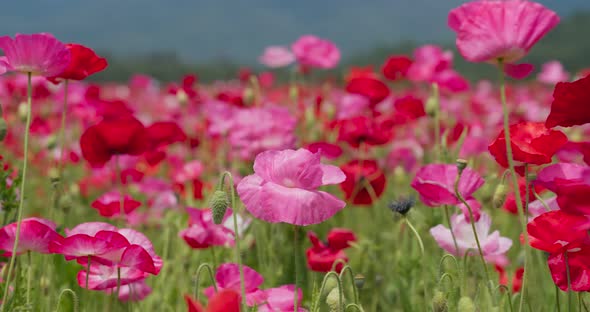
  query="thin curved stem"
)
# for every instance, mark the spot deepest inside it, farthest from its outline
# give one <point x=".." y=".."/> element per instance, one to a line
<point x="316" y="304"/>
<point x="416" y="234"/>
<point x="509" y="157"/>
<point x="19" y="216"/>
<point x="74" y="298"/>
<point x="198" y="279"/>
<point x="348" y="269"/>
<point x="448" y="217"/>
<point x="472" y="221"/>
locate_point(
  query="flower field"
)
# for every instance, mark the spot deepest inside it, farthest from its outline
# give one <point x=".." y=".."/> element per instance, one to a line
<point x="406" y="187"/>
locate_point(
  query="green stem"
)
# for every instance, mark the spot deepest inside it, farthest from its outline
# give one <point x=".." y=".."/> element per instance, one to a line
<point x="236" y="234"/>
<point x="557" y="298"/>
<point x="296" y="259"/>
<point x="416" y="234"/>
<point x="509" y="156"/>
<point x="74" y="298"/>
<point x="448" y="217"/>
<point x="198" y="279"/>
<point x="62" y="137"/>
<point x="19" y="217"/>
<point x="436" y="116"/>
<point x="88" y="271"/>
<point x="348" y="269"/>
<point x="472" y="221"/>
<point x="29" y="277"/>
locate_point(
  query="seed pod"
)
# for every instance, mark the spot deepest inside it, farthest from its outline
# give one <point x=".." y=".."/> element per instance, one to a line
<point x="333" y="300"/>
<point x="499" y="195"/>
<point x="439" y="302"/>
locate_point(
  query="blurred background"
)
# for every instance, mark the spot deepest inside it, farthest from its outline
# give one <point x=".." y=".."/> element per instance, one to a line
<point x="169" y="38"/>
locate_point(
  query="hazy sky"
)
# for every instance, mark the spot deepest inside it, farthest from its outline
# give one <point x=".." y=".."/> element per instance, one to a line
<point x="199" y="30"/>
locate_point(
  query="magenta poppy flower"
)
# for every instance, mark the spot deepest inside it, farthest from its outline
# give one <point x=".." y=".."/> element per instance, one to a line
<point x="276" y="56"/>
<point x="557" y="174"/>
<point x="284" y="186"/>
<point x="432" y="64"/>
<point x="39" y="54"/>
<point x="493" y="30"/>
<point x="315" y="52"/>
<point x="203" y="232"/>
<point x="228" y="277"/>
<point x="436" y="184"/>
<point x="109" y="204"/>
<point x="35" y="235"/>
<point x="493" y="245"/>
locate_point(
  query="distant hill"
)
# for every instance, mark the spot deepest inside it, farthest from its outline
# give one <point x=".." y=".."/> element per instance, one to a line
<point x="235" y="30"/>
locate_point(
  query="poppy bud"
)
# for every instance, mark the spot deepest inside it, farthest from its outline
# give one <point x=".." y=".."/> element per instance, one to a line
<point x="248" y="95"/>
<point x="499" y="195"/>
<point x="439" y="302"/>
<point x="461" y="165"/>
<point x="22" y="111"/>
<point x="181" y="97"/>
<point x="293" y="93"/>
<point x="219" y="203"/>
<point x="330" y="284"/>
<point x="333" y="300"/>
<point x="466" y="305"/>
<point x="3" y="128"/>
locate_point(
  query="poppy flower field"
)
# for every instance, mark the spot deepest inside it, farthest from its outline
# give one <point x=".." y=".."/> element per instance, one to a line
<point x="401" y="188"/>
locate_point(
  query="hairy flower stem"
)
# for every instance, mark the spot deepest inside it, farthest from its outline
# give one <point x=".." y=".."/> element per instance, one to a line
<point x="472" y="221"/>
<point x="88" y="271"/>
<point x="74" y="299"/>
<point x="296" y="260"/>
<point x="448" y="217"/>
<point x="236" y="234"/>
<point x="509" y="157"/>
<point x="204" y="266"/>
<point x="29" y="277"/>
<point x="19" y="216"/>
<point x="422" y="254"/>
<point x="62" y="137"/>
<point x="569" y="283"/>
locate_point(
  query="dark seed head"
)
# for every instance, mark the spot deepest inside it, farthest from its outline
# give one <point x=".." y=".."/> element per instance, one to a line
<point x="402" y="205"/>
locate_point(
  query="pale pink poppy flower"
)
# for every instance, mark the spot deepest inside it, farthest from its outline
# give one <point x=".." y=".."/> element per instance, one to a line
<point x="436" y="184"/>
<point x="432" y="64"/>
<point x="553" y="72"/>
<point x="284" y="186"/>
<point x="188" y="171"/>
<point x="493" y="245"/>
<point x="35" y="235"/>
<point x="315" y="52"/>
<point x="90" y="228"/>
<point x="494" y="30"/>
<point x="276" y="56"/>
<point x="405" y="154"/>
<point x="39" y="54"/>
<point x="536" y="208"/>
<point x="228" y="277"/>
<point x="351" y="105"/>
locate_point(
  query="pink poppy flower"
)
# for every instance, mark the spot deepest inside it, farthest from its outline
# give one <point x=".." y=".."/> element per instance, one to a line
<point x="109" y="204"/>
<point x="553" y="72"/>
<point x="493" y="30"/>
<point x="276" y="56"/>
<point x="203" y="232"/>
<point x="284" y="186"/>
<point x="187" y="172"/>
<point x="493" y="245"/>
<point x="536" y="208"/>
<point x="281" y="299"/>
<point x="432" y="64"/>
<point x="315" y="52"/>
<point x="39" y="54"/>
<point x="436" y="184"/>
<point x="557" y="174"/>
<point x="90" y="228"/>
<point x="35" y="235"/>
<point x="104" y="277"/>
<point x="135" y="291"/>
<point x="228" y="277"/>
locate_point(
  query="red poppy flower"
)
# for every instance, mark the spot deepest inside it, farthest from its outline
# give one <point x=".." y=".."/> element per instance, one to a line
<point x="362" y="129"/>
<point x="321" y="257"/>
<point x="83" y="63"/>
<point x="396" y="67"/>
<point x="571" y="104"/>
<point x="226" y="300"/>
<point x="532" y="143"/>
<point x="572" y="196"/>
<point x="407" y="109"/>
<point x="165" y="133"/>
<point x="109" y="204"/>
<point x="557" y="231"/>
<point x="510" y="203"/>
<point x="110" y="137"/>
<point x="579" y="269"/>
<point x="360" y="175"/>
<point x="357" y="72"/>
<point x="375" y="90"/>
